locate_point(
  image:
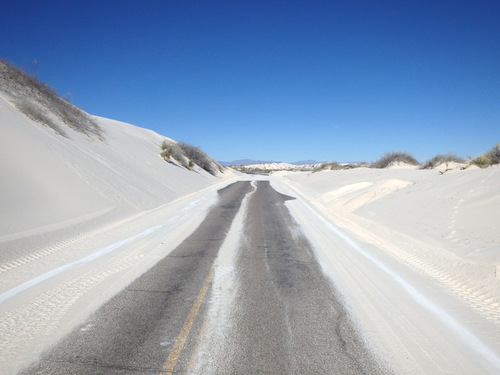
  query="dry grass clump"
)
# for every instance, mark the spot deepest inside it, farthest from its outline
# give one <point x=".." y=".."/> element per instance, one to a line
<point x="330" y="165"/>
<point x="38" y="114"/>
<point x="395" y="157"/>
<point x="189" y="156"/>
<point x="166" y="151"/>
<point x="42" y="104"/>
<point x="198" y="157"/>
<point x="171" y="150"/>
<point x="334" y="166"/>
<point x="252" y="170"/>
<point x="442" y="158"/>
<point x="489" y="158"/>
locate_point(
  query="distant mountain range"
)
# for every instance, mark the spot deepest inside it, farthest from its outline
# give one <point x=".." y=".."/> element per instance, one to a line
<point x="251" y="162"/>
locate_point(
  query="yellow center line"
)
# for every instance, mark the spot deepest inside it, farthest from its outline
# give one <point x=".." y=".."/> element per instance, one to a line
<point x="174" y="355"/>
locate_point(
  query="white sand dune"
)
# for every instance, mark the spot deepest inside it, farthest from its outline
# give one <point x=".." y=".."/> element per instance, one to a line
<point x="423" y="258"/>
<point x="272" y="166"/>
<point x="80" y="218"/>
<point x="46" y="177"/>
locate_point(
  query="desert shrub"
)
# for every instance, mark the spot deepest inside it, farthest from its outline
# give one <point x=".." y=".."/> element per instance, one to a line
<point x="219" y="167"/>
<point x="442" y="158"/>
<point x="251" y="170"/>
<point x="26" y="87"/>
<point x="166" y="150"/>
<point x="77" y="119"/>
<point x="489" y="158"/>
<point x="199" y="158"/>
<point x="494" y="154"/>
<point x="330" y="165"/>
<point x="38" y="114"/>
<point x="171" y="150"/>
<point x="350" y="166"/>
<point x="395" y="157"/>
<point x="179" y="156"/>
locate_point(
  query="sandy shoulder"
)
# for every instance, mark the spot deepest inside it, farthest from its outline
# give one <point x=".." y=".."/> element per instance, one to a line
<point x="443" y="225"/>
<point x="415" y="254"/>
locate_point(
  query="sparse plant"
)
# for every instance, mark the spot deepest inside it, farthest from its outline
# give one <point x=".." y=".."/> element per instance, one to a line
<point x="166" y="151"/>
<point x="23" y="87"/>
<point x="442" y="158"/>
<point x="489" y="158"/>
<point x="480" y="161"/>
<point x="38" y="114"/>
<point x="251" y="170"/>
<point x="199" y="158"/>
<point x="494" y="154"/>
<point x="353" y="165"/>
<point x="171" y="150"/>
<point x="395" y="157"/>
<point x="331" y="165"/>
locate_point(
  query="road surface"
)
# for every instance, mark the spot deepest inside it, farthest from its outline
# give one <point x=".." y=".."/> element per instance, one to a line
<point x="274" y="312"/>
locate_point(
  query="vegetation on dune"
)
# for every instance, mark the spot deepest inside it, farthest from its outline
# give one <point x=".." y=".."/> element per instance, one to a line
<point x="188" y="156"/>
<point x="442" y="158"/>
<point x="42" y="104"/>
<point x="171" y="150"/>
<point x="391" y="158"/>
<point x="265" y="169"/>
<point x="198" y="157"/>
<point x="330" y="165"/>
<point x="334" y="166"/>
<point x="487" y="159"/>
<point x="35" y="112"/>
<point x="166" y="151"/>
<point x="251" y="170"/>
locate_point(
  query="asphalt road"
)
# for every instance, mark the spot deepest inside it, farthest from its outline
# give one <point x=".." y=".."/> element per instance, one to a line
<point x="286" y="317"/>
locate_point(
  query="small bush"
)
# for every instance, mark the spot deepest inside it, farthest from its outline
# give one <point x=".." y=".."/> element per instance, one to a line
<point x="199" y="158"/>
<point x="188" y="156"/>
<point x="494" y="154"/>
<point x="253" y="170"/>
<point x="354" y="165"/>
<point x="395" y="157"/>
<point x="171" y="150"/>
<point x="166" y="150"/>
<point x="489" y="158"/>
<point x="331" y="165"/>
<point x="442" y="158"/>
<point x="25" y="87"/>
<point x="39" y="115"/>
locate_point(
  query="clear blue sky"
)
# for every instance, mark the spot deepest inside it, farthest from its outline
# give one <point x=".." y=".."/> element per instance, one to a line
<point x="275" y="80"/>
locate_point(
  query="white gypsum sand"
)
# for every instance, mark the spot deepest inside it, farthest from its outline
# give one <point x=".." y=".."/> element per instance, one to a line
<point x="216" y="344"/>
<point x="80" y="219"/>
<point x="416" y="254"/>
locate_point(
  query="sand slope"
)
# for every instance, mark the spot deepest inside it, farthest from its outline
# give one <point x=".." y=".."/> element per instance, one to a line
<point x="80" y="218"/>
<point x="50" y="181"/>
<point x="444" y="225"/>
<point x="425" y="249"/>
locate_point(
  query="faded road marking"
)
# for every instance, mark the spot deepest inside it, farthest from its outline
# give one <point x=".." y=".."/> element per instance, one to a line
<point x="174" y="355"/>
